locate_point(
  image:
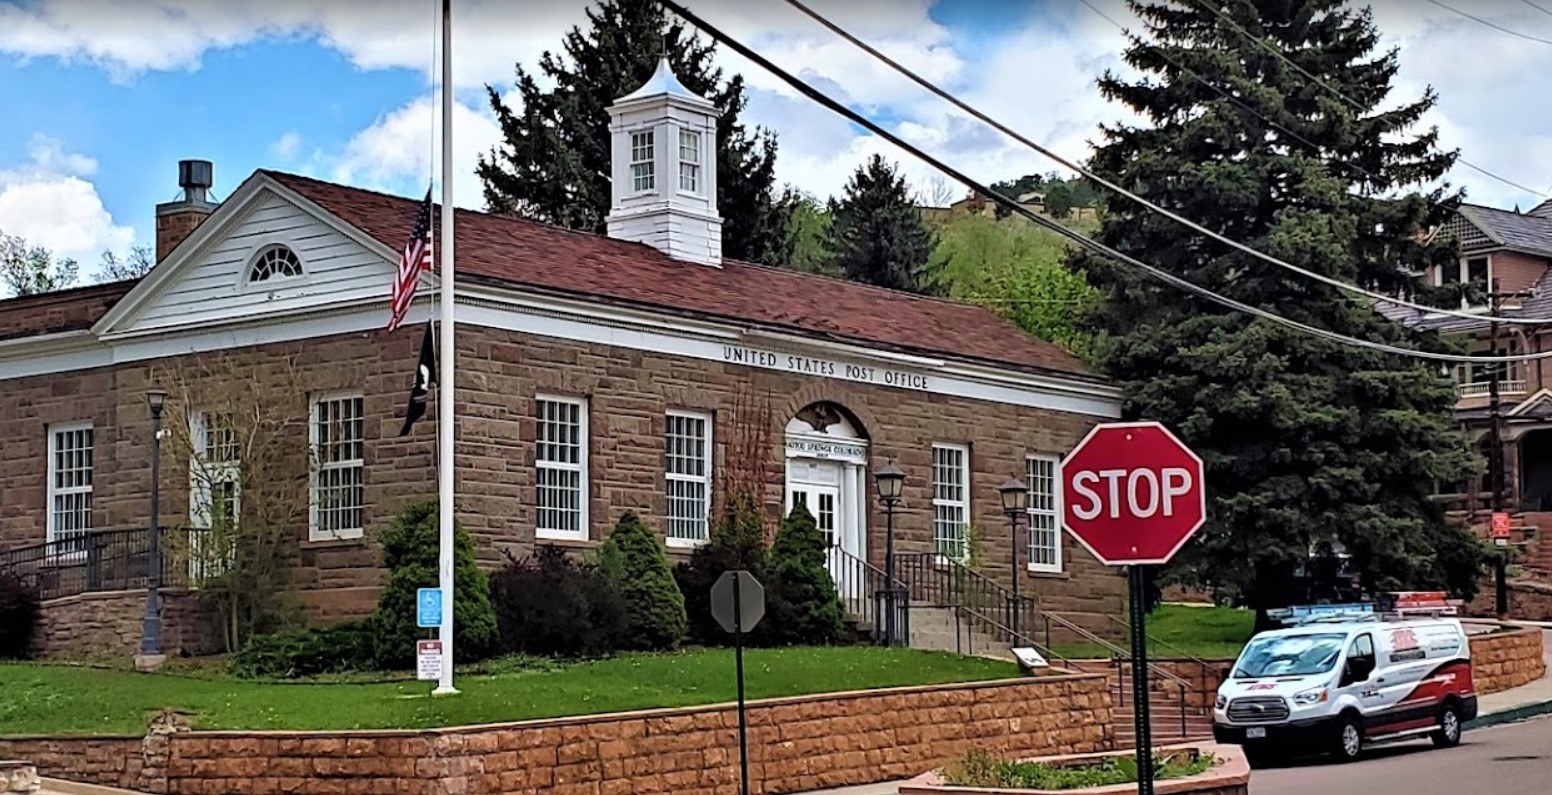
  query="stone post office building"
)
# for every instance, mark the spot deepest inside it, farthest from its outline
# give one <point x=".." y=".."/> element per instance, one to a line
<point x="596" y="375"/>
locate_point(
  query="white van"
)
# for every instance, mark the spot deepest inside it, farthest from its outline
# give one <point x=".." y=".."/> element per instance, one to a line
<point x="1339" y="682"/>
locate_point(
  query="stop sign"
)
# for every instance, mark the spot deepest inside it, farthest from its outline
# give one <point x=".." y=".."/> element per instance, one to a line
<point x="1132" y="493"/>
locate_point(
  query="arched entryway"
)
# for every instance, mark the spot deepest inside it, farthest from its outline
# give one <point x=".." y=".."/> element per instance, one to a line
<point x="827" y="457"/>
<point x="1536" y="471"/>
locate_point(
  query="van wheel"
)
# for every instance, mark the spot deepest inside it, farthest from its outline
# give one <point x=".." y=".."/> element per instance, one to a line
<point x="1448" y="733"/>
<point x="1349" y="740"/>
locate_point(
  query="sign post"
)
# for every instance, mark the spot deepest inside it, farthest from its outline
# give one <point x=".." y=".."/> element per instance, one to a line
<point x="1132" y="495"/>
<point x="738" y="603"/>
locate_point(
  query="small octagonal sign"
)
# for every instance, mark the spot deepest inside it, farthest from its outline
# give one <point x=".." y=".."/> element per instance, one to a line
<point x="1132" y="493"/>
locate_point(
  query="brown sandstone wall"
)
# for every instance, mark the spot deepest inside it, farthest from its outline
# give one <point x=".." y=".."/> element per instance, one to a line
<point x="1504" y="660"/>
<point x="107" y="625"/>
<point x="795" y="745"/>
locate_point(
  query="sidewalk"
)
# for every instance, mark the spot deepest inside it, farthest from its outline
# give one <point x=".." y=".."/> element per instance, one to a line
<point x="1508" y="706"/>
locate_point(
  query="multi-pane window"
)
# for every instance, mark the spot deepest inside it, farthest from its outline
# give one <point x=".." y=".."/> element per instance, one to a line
<point x="643" y="175"/>
<point x="950" y="500"/>
<point x="1045" y="535"/>
<point x="215" y="472"/>
<point x="688" y="477"/>
<point x="561" y="463"/>
<point x="69" y="486"/>
<point x="338" y="439"/>
<point x="275" y="262"/>
<point x="689" y="161"/>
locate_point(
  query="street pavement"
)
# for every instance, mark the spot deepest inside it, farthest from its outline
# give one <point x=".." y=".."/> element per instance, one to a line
<point x="1509" y="759"/>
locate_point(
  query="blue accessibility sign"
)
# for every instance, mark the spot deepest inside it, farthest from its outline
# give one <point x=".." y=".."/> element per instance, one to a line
<point x="428" y="607"/>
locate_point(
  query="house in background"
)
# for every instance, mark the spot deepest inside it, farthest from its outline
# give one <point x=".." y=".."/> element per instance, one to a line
<point x="597" y="374"/>
<point x="1511" y="250"/>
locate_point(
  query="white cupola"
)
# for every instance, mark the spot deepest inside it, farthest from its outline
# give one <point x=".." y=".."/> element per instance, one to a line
<point x="663" y="164"/>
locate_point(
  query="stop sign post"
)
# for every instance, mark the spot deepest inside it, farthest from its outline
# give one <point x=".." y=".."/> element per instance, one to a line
<point x="1132" y="495"/>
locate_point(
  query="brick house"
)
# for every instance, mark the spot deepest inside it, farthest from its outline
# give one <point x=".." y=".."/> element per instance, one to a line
<point x="596" y="375"/>
<point x="1512" y="250"/>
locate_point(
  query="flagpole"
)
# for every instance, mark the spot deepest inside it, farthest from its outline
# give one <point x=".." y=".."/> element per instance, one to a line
<point x="446" y="378"/>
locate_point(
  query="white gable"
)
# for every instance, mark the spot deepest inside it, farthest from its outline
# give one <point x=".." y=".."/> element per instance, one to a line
<point x="208" y="280"/>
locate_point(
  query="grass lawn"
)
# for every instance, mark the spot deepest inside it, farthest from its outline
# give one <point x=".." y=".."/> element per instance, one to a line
<point x="54" y="699"/>
<point x="1208" y="633"/>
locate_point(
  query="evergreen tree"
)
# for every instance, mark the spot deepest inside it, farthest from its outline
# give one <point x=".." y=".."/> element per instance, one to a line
<point x="737" y="542"/>
<point x="802" y="605"/>
<point x="410" y="554"/>
<point x="634" y="561"/>
<point x="1305" y="440"/>
<point x="553" y="165"/>
<point x="876" y="233"/>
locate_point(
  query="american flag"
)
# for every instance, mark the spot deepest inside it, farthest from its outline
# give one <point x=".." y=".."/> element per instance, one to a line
<point x="417" y="258"/>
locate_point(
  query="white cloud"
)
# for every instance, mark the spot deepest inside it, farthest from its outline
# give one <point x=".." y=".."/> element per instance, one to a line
<point x="285" y="147"/>
<point x="398" y="149"/>
<point x="49" y="202"/>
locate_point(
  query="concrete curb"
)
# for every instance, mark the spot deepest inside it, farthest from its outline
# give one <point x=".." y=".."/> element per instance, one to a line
<point x="1513" y="715"/>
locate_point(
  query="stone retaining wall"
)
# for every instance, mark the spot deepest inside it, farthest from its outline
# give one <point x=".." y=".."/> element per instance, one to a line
<point x="1230" y="776"/>
<point x="1503" y="660"/>
<point x="795" y="744"/>
<point x="1528" y="601"/>
<point x="108" y="625"/>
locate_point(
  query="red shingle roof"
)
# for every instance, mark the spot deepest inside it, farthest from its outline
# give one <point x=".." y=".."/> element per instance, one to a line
<point x="531" y="255"/>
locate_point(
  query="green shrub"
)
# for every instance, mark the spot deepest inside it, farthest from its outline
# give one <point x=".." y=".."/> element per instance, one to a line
<point x="550" y="604"/>
<point x="633" y="560"/>
<point x="801" y="603"/>
<point x="737" y="542"/>
<point x="342" y="648"/>
<point x="980" y="769"/>
<point x="410" y="553"/>
<point x="20" y="610"/>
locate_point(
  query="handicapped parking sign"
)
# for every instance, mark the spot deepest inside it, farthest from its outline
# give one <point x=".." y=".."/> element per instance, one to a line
<point x="428" y="607"/>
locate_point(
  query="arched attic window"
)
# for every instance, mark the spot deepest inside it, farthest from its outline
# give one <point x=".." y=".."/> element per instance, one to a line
<point x="274" y="263"/>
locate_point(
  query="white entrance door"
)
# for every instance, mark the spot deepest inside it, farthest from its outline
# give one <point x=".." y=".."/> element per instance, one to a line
<point x="824" y="489"/>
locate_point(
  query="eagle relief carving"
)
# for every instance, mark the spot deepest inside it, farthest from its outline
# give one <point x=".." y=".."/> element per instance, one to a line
<point x="820" y="416"/>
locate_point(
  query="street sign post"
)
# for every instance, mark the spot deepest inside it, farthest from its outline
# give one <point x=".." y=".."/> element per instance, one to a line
<point x="1132" y="495"/>
<point x="738" y="604"/>
<point x="428" y="608"/>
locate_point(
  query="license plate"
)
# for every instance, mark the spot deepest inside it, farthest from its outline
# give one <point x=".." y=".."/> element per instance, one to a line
<point x="1255" y="734"/>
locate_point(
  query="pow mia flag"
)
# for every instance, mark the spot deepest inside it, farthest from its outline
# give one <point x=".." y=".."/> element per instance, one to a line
<point x="425" y="376"/>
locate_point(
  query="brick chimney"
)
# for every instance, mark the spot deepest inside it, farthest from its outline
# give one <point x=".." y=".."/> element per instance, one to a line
<point x="175" y="221"/>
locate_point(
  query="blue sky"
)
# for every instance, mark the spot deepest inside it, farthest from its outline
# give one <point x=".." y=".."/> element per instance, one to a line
<point x="106" y="95"/>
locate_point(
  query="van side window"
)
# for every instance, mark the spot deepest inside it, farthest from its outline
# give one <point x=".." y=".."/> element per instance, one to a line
<point x="1363" y="648"/>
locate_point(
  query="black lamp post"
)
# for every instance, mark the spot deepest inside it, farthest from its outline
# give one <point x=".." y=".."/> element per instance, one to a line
<point x="891" y="482"/>
<point x="1015" y="501"/>
<point x="151" y="626"/>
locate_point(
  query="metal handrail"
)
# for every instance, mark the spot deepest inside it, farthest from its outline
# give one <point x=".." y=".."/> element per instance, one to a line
<point x="97" y="560"/>
<point x="1116" y="652"/>
<point x="1048" y="652"/>
<point x="863" y="594"/>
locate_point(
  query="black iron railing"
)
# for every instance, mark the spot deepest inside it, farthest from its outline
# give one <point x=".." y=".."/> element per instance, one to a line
<point x="864" y="595"/>
<point x="933" y="579"/>
<point x="116" y="559"/>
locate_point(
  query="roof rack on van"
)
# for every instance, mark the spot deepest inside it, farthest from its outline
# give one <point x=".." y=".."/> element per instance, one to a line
<point x="1393" y="606"/>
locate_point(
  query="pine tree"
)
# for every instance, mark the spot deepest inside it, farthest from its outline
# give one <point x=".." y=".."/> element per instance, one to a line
<point x="410" y="554"/>
<point x="802" y="604"/>
<point x="737" y="542"/>
<point x="633" y="560"/>
<point x="877" y="234"/>
<point x="553" y="165"/>
<point x="1305" y="440"/>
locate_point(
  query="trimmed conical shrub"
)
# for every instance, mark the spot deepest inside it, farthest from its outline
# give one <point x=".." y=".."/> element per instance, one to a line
<point x="633" y="560"/>
<point x="801" y="603"/>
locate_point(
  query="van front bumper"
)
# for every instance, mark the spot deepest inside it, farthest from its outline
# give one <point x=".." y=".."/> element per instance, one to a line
<point x="1311" y="733"/>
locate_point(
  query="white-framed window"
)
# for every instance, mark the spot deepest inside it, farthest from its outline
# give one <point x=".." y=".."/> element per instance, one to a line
<point x="560" y="460"/>
<point x="338" y="431"/>
<point x="950" y="500"/>
<point x="69" y="519"/>
<point x="1045" y="527"/>
<point x="687" y="475"/>
<point x="689" y="161"/>
<point x="215" y="478"/>
<point x="273" y="263"/>
<point x="643" y="172"/>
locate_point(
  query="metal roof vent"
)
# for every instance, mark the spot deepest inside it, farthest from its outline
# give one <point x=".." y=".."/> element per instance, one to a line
<point x="195" y="177"/>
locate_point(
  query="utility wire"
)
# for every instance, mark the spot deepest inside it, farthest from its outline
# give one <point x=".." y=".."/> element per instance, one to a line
<point x="1082" y="240"/>
<point x="981" y="116"/>
<point x="1494" y="25"/>
<point x="1334" y="91"/>
<point x="1543" y="9"/>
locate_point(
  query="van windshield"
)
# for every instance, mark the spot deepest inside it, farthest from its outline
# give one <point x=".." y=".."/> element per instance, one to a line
<point x="1289" y="655"/>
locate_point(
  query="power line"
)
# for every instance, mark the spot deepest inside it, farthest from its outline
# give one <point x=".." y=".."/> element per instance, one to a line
<point x="981" y="116"/>
<point x="1543" y="9"/>
<point x="1494" y="25"/>
<point x="1280" y="55"/>
<point x="1093" y="245"/>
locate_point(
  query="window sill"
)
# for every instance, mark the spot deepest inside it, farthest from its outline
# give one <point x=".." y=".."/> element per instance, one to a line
<point x="564" y="540"/>
<point x="357" y="538"/>
<point x="683" y="544"/>
<point x="1042" y="573"/>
